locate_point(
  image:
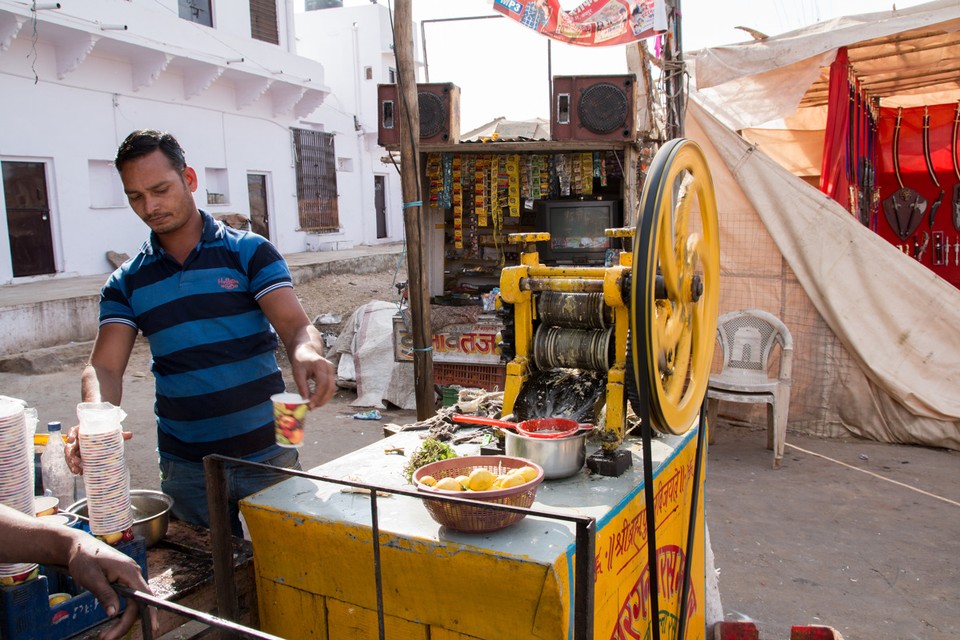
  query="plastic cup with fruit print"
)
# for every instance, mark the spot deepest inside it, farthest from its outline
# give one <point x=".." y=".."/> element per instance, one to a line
<point x="289" y="414"/>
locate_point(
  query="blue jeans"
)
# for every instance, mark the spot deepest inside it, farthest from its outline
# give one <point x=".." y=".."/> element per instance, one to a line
<point x="186" y="484"/>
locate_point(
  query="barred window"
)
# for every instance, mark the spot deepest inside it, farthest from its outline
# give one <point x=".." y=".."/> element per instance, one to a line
<point x="316" y="181"/>
<point x="263" y="20"/>
<point x="196" y="11"/>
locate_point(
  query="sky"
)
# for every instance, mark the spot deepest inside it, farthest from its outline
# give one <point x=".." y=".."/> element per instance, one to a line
<point x="502" y="67"/>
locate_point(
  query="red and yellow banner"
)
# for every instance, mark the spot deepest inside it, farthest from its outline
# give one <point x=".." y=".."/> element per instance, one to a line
<point x="595" y="23"/>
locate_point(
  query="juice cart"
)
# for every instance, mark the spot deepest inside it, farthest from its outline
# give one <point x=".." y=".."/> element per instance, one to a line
<point x="314" y="561"/>
<point x="327" y="568"/>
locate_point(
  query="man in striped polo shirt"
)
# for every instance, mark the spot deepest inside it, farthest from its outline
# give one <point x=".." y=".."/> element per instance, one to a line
<point x="212" y="302"/>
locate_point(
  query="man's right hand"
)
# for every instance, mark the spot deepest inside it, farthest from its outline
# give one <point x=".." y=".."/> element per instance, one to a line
<point x="95" y="565"/>
<point x="72" y="451"/>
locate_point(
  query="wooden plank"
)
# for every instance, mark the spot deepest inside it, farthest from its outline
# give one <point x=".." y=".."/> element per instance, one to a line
<point x="544" y="146"/>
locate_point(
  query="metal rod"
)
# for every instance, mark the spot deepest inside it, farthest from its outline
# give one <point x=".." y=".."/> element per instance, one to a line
<point x="585" y="545"/>
<point x="423" y="37"/>
<point x="896" y="52"/>
<point x="902" y="38"/>
<point x="583" y="581"/>
<point x="221" y="538"/>
<point x="423" y="45"/>
<point x="590" y="273"/>
<point x="146" y="599"/>
<point x="146" y="628"/>
<point x="403" y="492"/>
<point x="570" y="285"/>
<point x="378" y="576"/>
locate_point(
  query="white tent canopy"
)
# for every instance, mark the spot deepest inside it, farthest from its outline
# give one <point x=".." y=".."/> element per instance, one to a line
<point x="877" y="349"/>
<point x="906" y="58"/>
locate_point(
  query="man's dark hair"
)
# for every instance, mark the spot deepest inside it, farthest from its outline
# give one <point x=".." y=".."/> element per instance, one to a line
<point x="145" y="141"/>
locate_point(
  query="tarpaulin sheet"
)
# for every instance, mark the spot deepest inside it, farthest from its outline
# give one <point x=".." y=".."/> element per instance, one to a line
<point x="752" y="83"/>
<point x="877" y="351"/>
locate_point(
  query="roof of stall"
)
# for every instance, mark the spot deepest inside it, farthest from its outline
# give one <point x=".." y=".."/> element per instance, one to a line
<point x="904" y="57"/>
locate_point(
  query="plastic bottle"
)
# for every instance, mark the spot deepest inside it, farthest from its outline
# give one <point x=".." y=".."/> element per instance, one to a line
<point x="57" y="478"/>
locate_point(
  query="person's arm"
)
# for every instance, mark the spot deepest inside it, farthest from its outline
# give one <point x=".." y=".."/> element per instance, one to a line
<point x="102" y="378"/>
<point x="304" y="345"/>
<point x="93" y="564"/>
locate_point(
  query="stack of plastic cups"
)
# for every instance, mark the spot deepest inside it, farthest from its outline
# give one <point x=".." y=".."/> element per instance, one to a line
<point x="16" y="480"/>
<point x="32" y="419"/>
<point x="104" y="470"/>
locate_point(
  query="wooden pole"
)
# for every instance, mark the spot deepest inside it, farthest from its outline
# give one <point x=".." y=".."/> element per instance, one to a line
<point x="409" y="112"/>
<point x="673" y="67"/>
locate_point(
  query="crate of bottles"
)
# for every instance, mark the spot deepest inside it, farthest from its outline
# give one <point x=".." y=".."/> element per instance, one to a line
<point x="26" y="612"/>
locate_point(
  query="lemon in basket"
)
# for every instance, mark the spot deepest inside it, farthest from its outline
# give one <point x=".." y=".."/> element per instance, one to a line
<point x="464" y="482"/>
<point x="428" y="480"/>
<point x="528" y="473"/>
<point x="480" y="479"/>
<point x="448" y="484"/>
<point x="512" y="479"/>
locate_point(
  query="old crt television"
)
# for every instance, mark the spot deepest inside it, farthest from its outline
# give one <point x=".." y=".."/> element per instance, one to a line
<point x="576" y="229"/>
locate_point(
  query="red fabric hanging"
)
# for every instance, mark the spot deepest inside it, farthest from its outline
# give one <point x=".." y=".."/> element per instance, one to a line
<point x="833" y="178"/>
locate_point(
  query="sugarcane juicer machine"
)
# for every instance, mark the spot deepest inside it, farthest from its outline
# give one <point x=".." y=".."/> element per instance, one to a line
<point x="649" y="322"/>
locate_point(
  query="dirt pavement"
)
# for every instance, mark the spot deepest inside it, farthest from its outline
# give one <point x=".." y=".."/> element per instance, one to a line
<point x="330" y="433"/>
<point x="865" y="539"/>
<point x="38" y="378"/>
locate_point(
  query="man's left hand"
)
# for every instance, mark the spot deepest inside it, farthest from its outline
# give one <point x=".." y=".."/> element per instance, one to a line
<point x="307" y="365"/>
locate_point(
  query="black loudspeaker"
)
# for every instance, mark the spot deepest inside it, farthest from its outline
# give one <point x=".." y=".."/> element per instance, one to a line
<point x="594" y="108"/>
<point x="439" y="114"/>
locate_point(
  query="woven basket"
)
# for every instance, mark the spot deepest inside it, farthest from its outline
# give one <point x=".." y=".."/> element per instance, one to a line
<point x="477" y="519"/>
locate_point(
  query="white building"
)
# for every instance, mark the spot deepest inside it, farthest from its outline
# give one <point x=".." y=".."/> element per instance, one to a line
<point x="355" y="45"/>
<point x="223" y="76"/>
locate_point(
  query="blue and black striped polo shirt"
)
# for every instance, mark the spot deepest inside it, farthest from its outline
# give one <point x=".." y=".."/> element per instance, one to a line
<point x="212" y="346"/>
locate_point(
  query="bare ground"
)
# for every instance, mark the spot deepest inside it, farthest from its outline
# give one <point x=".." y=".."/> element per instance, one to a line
<point x="857" y="535"/>
<point x="341" y="294"/>
<point x="332" y="430"/>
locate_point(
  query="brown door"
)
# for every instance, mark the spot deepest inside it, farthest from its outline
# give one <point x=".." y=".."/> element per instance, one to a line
<point x="28" y="218"/>
<point x="259" y="215"/>
<point x="380" y="203"/>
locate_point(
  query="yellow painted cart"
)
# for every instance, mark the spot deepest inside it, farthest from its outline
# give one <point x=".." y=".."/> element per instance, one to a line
<point x="315" y="571"/>
<point x="320" y="575"/>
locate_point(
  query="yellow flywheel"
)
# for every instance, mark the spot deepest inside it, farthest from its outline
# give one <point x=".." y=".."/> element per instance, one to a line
<point x="675" y="287"/>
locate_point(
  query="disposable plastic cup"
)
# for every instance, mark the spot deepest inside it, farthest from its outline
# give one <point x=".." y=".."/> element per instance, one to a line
<point x="14" y="574"/>
<point x="46" y="505"/>
<point x="58" y="598"/>
<point x="105" y="476"/>
<point x="58" y="518"/>
<point x="289" y="414"/>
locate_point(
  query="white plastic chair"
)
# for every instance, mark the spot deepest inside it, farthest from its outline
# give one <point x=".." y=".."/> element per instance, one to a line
<point x="747" y="339"/>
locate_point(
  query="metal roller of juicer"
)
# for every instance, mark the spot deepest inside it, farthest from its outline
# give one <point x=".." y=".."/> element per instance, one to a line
<point x="659" y="304"/>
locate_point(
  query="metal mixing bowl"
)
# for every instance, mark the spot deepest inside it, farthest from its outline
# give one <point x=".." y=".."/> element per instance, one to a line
<point x="151" y="513"/>
<point x="559" y="457"/>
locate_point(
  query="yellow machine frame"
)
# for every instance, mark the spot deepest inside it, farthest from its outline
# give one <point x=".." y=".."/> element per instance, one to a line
<point x="517" y="286"/>
<point x="669" y="310"/>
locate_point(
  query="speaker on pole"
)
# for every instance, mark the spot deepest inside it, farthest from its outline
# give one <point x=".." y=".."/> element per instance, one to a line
<point x="439" y="105"/>
<point x="594" y="108"/>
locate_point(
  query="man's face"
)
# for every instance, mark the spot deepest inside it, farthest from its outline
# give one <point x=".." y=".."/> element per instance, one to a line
<point x="158" y="193"/>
